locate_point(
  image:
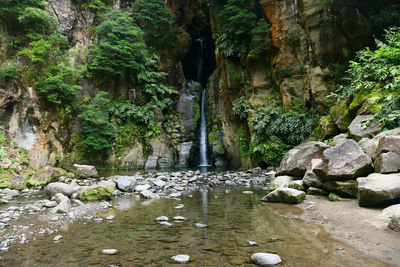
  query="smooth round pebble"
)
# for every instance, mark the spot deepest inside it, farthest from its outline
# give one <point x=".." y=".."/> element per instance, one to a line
<point x="181" y="258"/>
<point x="57" y="237"/>
<point x="110" y="251"/>
<point x="162" y="218"/>
<point x="248" y="192"/>
<point x="200" y="225"/>
<point x="266" y="259"/>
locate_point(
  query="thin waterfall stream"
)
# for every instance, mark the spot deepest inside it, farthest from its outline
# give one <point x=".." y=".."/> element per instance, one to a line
<point x="203" y="142"/>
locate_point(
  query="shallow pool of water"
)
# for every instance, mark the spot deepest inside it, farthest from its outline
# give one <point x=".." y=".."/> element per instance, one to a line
<point x="233" y="218"/>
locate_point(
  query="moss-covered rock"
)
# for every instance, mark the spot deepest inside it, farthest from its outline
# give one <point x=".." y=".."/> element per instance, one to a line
<point x="102" y="190"/>
<point x="328" y="127"/>
<point x="341" y="115"/>
<point x="43" y="177"/>
<point x="96" y="194"/>
<point x="344" y="188"/>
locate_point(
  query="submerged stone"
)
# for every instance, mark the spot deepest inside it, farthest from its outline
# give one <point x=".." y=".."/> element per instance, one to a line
<point x="266" y="259"/>
<point x="181" y="258"/>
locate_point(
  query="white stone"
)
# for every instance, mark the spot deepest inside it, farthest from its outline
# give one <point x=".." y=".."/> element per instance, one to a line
<point x="181" y="258"/>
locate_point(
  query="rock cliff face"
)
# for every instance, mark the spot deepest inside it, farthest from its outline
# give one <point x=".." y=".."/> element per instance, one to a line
<point x="307" y="41"/>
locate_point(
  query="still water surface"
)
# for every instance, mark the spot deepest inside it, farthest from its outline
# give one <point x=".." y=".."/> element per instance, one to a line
<point x="233" y="218"/>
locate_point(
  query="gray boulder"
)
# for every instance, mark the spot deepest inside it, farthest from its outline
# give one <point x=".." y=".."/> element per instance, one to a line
<point x="389" y="143"/>
<point x="85" y="171"/>
<point x="387" y="163"/>
<point x="317" y="191"/>
<point x="285" y="195"/>
<point x="64" y="204"/>
<point x="297" y="160"/>
<point x="378" y="189"/>
<point x="161" y="155"/>
<point x="126" y="183"/>
<point x="310" y="178"/>
<point x="298" y="184"/>
<point x="358" y="130"/>
<point x="343" y="162"/>
<point x="343" y="188"/>
<point x="395" y="222"/>
<point x="266" y="259"/>
<point x="369" y="146"/>
<point x="281" y="181"/>
<point x="54" y="188"/>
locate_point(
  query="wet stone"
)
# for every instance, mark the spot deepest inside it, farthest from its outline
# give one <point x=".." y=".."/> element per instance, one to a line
<point x="181" y="258"/>
<point x="109" y="251"/>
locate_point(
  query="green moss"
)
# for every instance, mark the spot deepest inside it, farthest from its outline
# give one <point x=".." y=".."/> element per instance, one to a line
<point x="336" y="197"/>
<point x="196" y="109"/>
<point x="96" y="194"/>
<point x="5" y="180"/>
<point x="234" y="74"/>
<point x="342" y="115"/>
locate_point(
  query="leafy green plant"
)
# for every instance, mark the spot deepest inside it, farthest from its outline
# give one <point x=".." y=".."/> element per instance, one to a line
<point x="97" y="129"/>
<point x="241" y="107"/>
<point x="157" y="23"/>
<point x="37" y="20"/>
<point x="377" y="72"/>
<point x="8" y="72"/>
<point x="240" y="29"/>
<point x="57" y="84"/>
<point x="122" y="52"/>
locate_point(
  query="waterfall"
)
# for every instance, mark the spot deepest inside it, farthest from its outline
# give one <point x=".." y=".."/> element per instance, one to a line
<point x="203" y="162"/>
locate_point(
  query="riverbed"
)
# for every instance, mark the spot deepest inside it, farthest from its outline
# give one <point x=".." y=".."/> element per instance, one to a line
<point x="233" y="218"/>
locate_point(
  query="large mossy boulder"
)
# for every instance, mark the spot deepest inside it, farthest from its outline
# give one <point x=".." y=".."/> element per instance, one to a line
<point x="297" y="160"/>
<point x="378" y="189"/>
<point x="359" y="128"/>
<point x="102" y="190"/>
<point x="44" y="177"/>
<point x="343" y="188"/>
<point x="310" y="179"/>
<point x="344" y="162"/>
<point x="285" y="195"/>
<point x="341" y="115"/>
<point x="85" y="171"/>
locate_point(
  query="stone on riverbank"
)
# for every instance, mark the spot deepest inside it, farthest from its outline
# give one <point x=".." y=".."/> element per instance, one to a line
<point x="85" y="171"/>
<point x="317" y="191"/>
<point x="343" y="162"/>
<point x="64" y="204"/>
<point x="285" y="195"/>
<point x="57" y="187"/>
<point x="102" y="190"/>
<point x="266" y="259"/>
<point x="343" y="188"/>
<point x="378" y="189"/>
<point x="357" y="129"/>
<point x="395" y="222"/>
<point x="297" y="160"/>
<point x="281" y="181"/>
<point x="389" y="143"/>
<point x="126" y="183"/>
<point x="44" y="177"/>
<point x="387" y="163"/>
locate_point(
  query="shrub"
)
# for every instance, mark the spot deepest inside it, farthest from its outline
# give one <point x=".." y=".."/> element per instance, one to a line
<point x="97" y="129"/>
<point x="240" y="28"/>
<point x="37" y="20"/>
<point x="8" y="72"/>
<point x="241" y="107"/>
<point x="57" y="85"/>
<point x="377" y="71"/>
<point x="276" y="131"/>
<point x="156" y="21"/>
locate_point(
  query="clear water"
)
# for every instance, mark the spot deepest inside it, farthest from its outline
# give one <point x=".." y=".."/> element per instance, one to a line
<point x="233" y="219"/>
